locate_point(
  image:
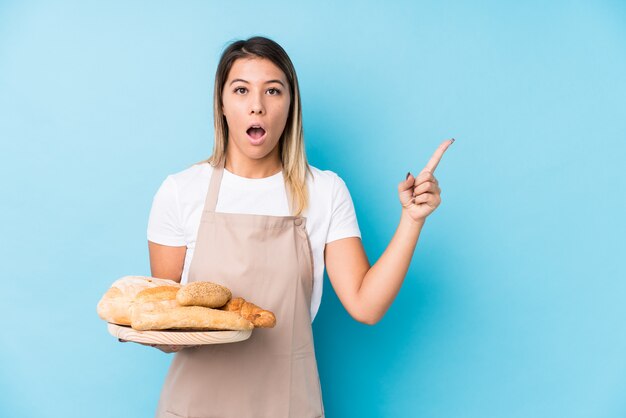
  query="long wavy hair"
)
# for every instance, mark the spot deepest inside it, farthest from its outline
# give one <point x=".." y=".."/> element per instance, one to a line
<point x="291" y="143"/>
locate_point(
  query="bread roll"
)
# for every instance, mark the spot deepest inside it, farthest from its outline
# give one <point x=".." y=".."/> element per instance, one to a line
<point x="207" y="294"/>
<point x="114" y="306"/>
<point x="197" y="318"/>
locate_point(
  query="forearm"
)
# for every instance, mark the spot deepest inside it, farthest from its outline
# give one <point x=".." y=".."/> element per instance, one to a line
<point x="384" y="279"/>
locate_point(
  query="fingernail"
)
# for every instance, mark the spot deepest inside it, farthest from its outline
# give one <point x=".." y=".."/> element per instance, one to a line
<point x="407" y="175"/>
<point x="452" y="139"/>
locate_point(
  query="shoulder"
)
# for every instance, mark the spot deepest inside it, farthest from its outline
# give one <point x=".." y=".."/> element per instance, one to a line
<point x="191" y="177"/>
<point x="323" y="179"/>
<point x="327" y="182"/>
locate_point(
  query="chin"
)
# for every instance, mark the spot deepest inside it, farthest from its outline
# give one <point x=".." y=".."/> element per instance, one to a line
<point x="258" y="151"/>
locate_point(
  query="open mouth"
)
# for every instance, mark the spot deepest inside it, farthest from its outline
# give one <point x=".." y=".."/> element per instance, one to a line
<point x="255" y="132"/>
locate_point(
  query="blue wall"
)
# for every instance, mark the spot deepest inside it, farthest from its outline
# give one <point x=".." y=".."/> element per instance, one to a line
<point x="514" y="302"/>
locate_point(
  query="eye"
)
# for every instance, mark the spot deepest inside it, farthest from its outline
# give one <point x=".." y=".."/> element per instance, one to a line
<point x="273" y="91"/>
<point x="240" y="90"/>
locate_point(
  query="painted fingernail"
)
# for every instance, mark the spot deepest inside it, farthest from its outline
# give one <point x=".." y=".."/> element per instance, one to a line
<point x="407" y="175"/>
<point x="452" y="139"/>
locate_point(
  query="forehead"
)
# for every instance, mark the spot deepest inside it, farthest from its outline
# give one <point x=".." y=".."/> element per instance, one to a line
<point x="255" y="70"/>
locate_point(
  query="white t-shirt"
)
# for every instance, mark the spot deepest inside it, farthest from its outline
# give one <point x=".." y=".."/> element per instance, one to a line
<point x="178" y="204"/>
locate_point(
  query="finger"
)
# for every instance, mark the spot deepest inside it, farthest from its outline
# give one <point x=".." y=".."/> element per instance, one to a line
<point x="407" y="183"/>
<point x="434" y="160"/>
<point x="428" y="199"/>
<point x="423" y="198"/>
<point x="426" y="187"/>
<point x="424" y="176"/>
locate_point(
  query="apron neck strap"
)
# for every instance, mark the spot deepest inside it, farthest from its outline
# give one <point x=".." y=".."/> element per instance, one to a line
<point x="214" y="189"/>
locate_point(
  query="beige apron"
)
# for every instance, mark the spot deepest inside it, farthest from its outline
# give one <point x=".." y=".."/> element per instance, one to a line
<point x="273" y="374"/>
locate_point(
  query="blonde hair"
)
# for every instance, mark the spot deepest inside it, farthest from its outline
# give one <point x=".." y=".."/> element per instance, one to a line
<point x="291" y="144"/>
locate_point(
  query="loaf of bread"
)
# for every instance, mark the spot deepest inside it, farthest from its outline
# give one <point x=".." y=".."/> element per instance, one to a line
<point x="155" y="294"/>
<point x="149" y="303"/>
<point x="161" y="297"/>
<point x="207" y="294"/>
<point x="158" y="316"/>
<point x="259" y="317"/>
<point x="115" y="305"/>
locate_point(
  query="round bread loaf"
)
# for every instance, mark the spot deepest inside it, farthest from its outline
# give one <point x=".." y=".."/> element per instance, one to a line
<point x="114" y="306"/>
<point x="207" y="294"/>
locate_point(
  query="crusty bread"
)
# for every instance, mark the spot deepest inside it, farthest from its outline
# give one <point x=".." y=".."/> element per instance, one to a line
<point x="158" y="316"/>
<point x="137" y="308"/>
<point x="207" y="294"/>
<point x="114" y="306"/>
<point x="259" y="317"/>
<point x="149" y="303"/>
<point x="234" y="304"/>
<point x="155" y="294"/>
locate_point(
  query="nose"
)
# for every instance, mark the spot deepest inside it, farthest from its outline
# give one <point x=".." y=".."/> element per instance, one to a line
<point x="256" y="105"/>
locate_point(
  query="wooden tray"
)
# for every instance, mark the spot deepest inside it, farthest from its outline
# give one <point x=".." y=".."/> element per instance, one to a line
<point x="173" y="337"/>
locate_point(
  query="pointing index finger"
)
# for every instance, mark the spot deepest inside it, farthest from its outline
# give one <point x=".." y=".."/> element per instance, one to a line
<point x="434" y="160"/>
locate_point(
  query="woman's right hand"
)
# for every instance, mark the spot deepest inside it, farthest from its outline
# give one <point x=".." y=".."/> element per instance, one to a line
<point x="166" y="348"/>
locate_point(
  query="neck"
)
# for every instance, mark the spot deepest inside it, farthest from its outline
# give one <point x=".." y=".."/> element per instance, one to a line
<point x="251" y="168"/>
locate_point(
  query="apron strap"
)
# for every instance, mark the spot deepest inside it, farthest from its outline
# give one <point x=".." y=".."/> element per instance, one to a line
<point x="214" y="189"/>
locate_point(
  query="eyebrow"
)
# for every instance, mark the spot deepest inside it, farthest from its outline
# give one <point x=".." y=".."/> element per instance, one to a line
<point x="267" y="82"/>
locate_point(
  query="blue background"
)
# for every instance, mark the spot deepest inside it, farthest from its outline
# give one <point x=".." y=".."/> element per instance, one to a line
<point x="514" y="302"/>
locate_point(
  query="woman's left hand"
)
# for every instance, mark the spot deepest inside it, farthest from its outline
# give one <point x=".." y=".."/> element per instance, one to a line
<point x="421" y="195"/>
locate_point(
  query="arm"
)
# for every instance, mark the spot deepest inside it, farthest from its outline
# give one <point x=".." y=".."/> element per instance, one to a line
<point x="166" y="226"/>
<point x="166" y="262"/>
<point x="367" y="292"/>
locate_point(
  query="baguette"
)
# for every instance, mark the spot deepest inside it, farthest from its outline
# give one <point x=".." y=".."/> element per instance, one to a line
<point x="136" y="308"/>
<point x="198" y="318"/>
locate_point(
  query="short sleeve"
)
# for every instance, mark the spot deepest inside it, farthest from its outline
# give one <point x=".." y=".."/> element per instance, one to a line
<point x="165" y="223"/>
<point x="343" y="222"/>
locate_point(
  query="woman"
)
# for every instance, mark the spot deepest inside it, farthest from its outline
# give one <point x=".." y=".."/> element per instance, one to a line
<point x="258" y="219"/>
